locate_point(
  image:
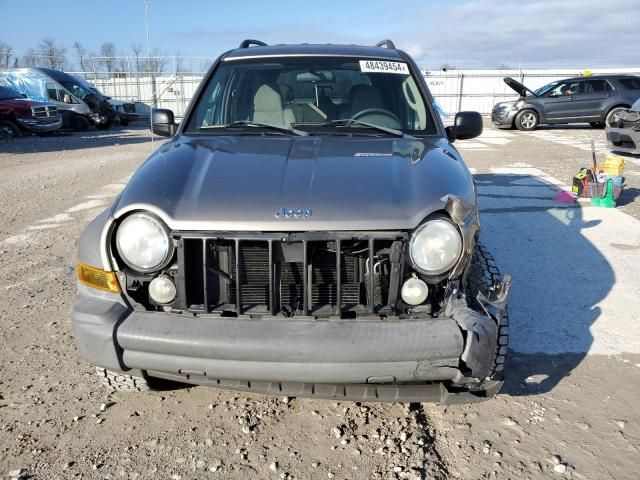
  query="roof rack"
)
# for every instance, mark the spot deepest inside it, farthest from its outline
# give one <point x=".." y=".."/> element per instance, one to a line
<point x="386" y="43"/>
<point x="248" y="42"/>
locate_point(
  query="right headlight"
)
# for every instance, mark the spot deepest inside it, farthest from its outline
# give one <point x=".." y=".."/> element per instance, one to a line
<point x="143" y="243"/>
<point x="435" y="247"/>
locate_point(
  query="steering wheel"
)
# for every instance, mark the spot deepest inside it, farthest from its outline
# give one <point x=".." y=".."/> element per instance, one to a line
<point x="377" y="111"/>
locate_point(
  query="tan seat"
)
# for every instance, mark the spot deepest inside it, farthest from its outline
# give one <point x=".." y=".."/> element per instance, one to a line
<point x="267" y="107"/>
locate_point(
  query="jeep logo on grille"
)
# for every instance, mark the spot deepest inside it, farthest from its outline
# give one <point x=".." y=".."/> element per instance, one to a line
<point x="293" y="213"/>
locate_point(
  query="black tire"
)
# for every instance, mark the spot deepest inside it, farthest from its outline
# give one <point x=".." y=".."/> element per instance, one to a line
<point x="611" y="114"/>
<point x="597" y="124"/>
<point x="527" y="120"/>
<point x="104" y="126"/>
<point x="120" y="382"/>
<point x="124" y="122"/>
<point x="79" y="123"/>
<point x="10" y="127"/>
<point x="482" y="275"/>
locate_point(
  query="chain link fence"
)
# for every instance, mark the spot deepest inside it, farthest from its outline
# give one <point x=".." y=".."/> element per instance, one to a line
<point x="170" y="82"/>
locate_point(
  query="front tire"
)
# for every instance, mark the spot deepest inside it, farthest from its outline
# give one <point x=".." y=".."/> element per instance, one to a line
<point x="11" y="128"/>
<point x="527" y="120"/>
<point x="482" y="275"/>
<point x="79" y="123"/>
<point x="120" y="382"/>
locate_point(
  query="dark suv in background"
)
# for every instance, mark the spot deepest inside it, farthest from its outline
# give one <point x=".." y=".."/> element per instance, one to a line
<point x="596" y="100"/>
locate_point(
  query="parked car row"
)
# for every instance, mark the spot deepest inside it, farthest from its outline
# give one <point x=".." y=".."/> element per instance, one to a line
<point x="596" y="100"/>
<point x="41" y="100"/>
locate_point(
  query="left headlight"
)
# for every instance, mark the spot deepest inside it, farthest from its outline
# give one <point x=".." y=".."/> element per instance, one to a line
<point x="435" y="247"/>
<point x="143" y="243"/>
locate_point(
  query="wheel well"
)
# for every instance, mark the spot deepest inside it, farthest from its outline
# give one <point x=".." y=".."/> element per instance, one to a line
<point x="10" y="119"/>
<point x="513" y="122"/>
<point x="620" y="105"/>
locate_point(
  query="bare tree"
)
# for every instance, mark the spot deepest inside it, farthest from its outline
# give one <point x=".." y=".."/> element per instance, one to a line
<point x="52" y="55"/>
<point x="80" y="53"/>
<point x="178" y="63"/>
<point x="30" y="58"/>
<point x="137" y="49"/>
<point x="6" y="52"/>
<point x="204" y="65"/>
<point x="108" y="51"/>
<point x="157" y="62"/>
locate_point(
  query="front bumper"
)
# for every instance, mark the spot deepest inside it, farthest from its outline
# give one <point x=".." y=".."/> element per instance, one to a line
<point x="503" y="117"/>
<point x="41" y="125"/>
<point x="397" y="360"/>
<point x="625" y="140"/>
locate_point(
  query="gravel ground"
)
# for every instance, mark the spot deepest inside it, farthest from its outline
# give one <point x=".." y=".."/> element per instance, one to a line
<point x="568" y="413"/>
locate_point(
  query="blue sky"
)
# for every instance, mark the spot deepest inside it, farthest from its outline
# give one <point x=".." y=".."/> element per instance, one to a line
<point x="465" y="33"/>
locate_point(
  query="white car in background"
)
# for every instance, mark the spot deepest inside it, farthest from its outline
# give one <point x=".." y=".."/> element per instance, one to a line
<point x="623" y="134"/>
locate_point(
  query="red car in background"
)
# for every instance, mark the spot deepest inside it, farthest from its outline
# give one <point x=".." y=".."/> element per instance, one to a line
<point x="19" y="115"/>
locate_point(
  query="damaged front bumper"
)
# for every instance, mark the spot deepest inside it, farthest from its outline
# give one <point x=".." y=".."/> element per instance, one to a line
<point x="445" y="359"/>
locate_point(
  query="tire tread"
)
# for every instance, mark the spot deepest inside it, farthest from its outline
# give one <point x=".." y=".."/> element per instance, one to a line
<point x="482" y="275"/>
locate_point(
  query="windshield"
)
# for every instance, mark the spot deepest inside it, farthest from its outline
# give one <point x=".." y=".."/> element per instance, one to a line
<point x="7" y="93"/>
<point x="546" y="88"/>
<point x="76" y="90"/>
<point x="313" y="92"/>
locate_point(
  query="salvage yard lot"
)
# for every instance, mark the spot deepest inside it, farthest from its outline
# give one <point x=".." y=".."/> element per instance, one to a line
<point x="569" y="407"/>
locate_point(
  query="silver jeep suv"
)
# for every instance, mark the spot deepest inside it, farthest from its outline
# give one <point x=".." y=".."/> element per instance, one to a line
<point x="309" y="230"/>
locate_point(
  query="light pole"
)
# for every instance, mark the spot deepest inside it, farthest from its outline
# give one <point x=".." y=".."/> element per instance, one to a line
<point x="146" y="21"/>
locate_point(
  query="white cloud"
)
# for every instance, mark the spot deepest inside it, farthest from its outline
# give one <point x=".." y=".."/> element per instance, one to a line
<point x="471" y="33"/>
<point x="585" y="33"/>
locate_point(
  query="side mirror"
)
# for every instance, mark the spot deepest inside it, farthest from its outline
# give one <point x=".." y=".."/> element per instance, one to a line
<point x="163" y="123"/>
<point x="465" y="126"/>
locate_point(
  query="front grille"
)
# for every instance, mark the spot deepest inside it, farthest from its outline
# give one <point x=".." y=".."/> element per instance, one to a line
<point x="290" y="274"/>
<point x="44" y="111"/>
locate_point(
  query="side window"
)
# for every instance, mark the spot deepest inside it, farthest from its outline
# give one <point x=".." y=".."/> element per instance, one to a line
<point x="594" y="86"/>
<point x="53" y="92"/>
<point x="630" y="83"/>
<point x="565" y="88"/>
<point x="210" y="111"/>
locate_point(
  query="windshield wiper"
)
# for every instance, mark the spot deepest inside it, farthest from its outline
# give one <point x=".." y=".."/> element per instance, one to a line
<point x="249" y="123"/>
<point x="346" y="122"/>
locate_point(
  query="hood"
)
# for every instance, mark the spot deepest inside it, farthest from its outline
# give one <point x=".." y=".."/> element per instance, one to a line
<point x="239" y="183"/>
<point x="21" y="103"/>
<point x="519" y="88"/>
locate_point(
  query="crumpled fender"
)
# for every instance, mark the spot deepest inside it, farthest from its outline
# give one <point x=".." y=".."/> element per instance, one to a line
<point x="481" y="337"/>
<point x="481" y="330"/>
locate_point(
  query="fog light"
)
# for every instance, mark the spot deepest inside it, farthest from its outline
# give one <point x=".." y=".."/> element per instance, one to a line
<point x="162" y="290"/>
<point x="414" y="291"/>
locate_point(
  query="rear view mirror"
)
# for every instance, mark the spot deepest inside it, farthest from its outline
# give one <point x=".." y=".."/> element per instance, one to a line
<point x="465" y="126"/>
<point x="163" y="122"/>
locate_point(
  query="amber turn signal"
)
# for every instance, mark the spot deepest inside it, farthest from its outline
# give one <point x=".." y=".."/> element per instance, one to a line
<point x="98" y="278"/>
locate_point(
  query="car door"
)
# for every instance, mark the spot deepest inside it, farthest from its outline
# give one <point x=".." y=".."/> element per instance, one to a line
<point x="591" y="101"/>
<point x="57" y="96"/>
<point x="558" y="102"/>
